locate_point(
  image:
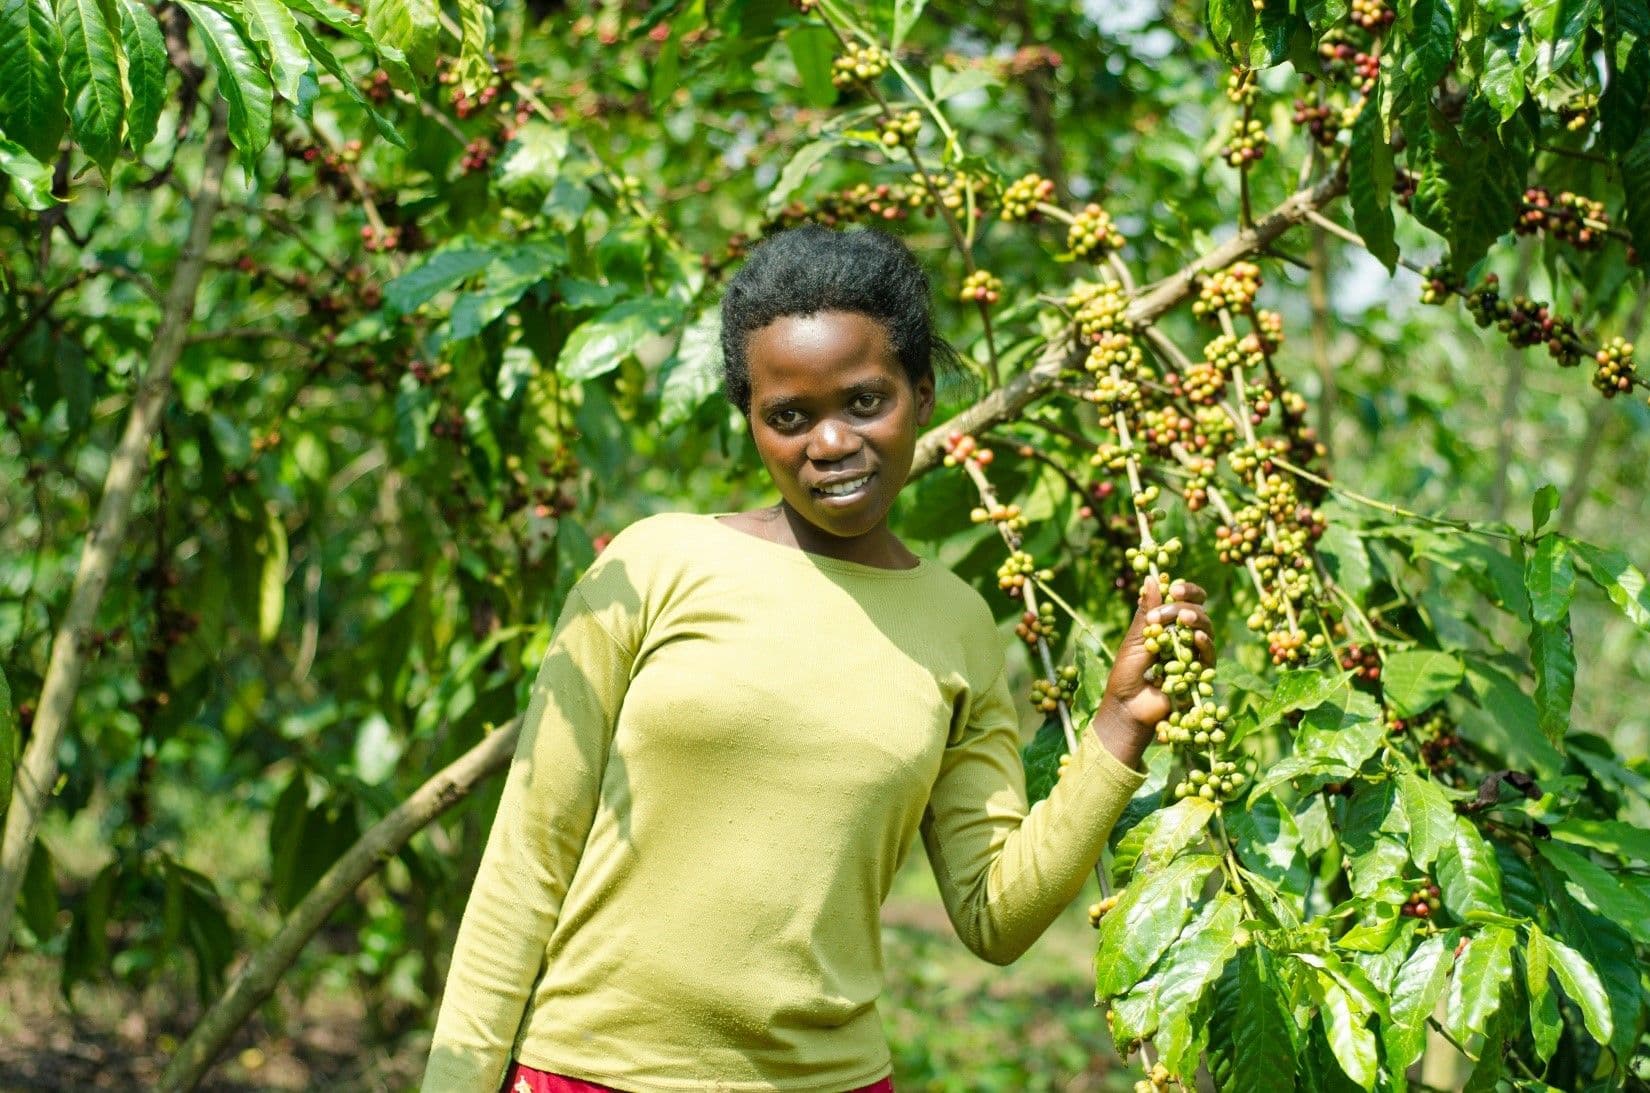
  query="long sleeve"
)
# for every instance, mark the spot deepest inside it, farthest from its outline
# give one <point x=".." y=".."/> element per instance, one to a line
<point x="1006" y="871"/>
<point x="543" y="818"/>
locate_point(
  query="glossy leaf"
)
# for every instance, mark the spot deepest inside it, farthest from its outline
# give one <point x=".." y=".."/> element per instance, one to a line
<point x="906" y="13"/>
<point x="1546" y="1022"/>
<point x="1188" y="970"/>
<point x="31" y="181"/>
<point x="1252" y="1045"/>
<point x="1581" y="983"/>
<point x="1552" y="652"/>
<point x="1606" y="946"/>
<point x="1369" y="183"/>
<point x="1148" y="917"/>
<point x="1415" y="993"/>
<point x="806" y="159"/>
<point x="475" y="21"/>
<point x="1473" y="180"/>
<point x="1041" y="759"/>
<point x="1619" y="579"/>
<point x="407" y="27"/>
<point x="1414" y="679"/>
<point x="240" y="78"/>
<point x="443" y="270"/>
<point x="1429" y="816"/>
<point x="327" y="60"/>
<point x="270" y="24"/>
<point x="1467" y="873"/>
<point x="32" y="97"/>
<point x="601" y="344"/>
<point x="1176" y="828"/>
<point x="1543" y="505"/>
<point x="91" y="75"/>
<point x="146" y="70"/>
<point x="694" y="374"/>
<point x="1480" y="973"/>
<point x="1550" y="577"/>
<point x="1596" y="888"/>
<point x="813" y="48"/>
<point x="1611" y="836"/>
<point x="1350" y="1038"/>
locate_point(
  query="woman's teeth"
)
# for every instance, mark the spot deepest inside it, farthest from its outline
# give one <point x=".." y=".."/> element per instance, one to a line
<point x="842" y="489"/>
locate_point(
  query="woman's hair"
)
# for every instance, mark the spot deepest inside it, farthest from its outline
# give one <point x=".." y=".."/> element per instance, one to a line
<point x="811" y="269"/>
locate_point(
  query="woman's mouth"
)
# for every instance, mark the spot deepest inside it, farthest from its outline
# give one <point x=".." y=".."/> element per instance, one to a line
<point x="843" y="490"/>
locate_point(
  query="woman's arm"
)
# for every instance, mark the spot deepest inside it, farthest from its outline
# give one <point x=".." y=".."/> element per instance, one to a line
<point x="543" y="818"/>
<point x="1005" y="870"/>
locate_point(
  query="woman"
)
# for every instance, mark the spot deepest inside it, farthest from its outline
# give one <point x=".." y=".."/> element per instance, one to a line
<point x="741" y="725"/>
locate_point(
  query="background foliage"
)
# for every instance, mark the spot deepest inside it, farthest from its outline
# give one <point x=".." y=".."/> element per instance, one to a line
<point x="424" y="295"/>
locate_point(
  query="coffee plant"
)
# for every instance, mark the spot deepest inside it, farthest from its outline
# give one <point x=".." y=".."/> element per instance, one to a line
<point x="336" y="341"/>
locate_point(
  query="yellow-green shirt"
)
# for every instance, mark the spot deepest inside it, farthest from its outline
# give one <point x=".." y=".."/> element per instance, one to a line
<point x="728" y="750"/>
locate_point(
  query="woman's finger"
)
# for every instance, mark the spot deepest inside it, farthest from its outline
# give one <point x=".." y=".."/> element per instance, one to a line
<point x="1187" y="592"/>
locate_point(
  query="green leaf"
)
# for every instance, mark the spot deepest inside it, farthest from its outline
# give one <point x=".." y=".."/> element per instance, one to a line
<point x="1480" y="973"/>
<point x="1550" y="578"/>
<point x="601" y="344"/>
<point x="1299" y="689"/>
<point x="146" y="69"/>
<point x="1595" y="888"/>
<point x="1350" y="1038"/>
<point x="31" y="180"/>
<point x="1608" y="949"/>
<point x="796" y="170"/>
<point x="91" y="73"/>
<point x="323" y="55"/>
<point x="1415" y="993"/>
<point x="1621" y="109"/>
<point x="1552" y="652"/>
<point x="1429" y="38"/>
<point x="1041" y="759"/>
<point x="813" y="48"/>
<point x="1251" y="1047"/>
<point x="1468" y="874"/>
<point x="272" y="546"/>
<point x="1472" y="179"/>
<point x="270" y="23"/>
<point x="1505" y="721"/>
<point x="1580" y="982"/>
<point x="409" y="28"/>
<point x="1148" y="917"/>
<point x="1618" y="578"/>
<point x="11" y="740"/>
<point x="1556" y="28"/>
<point x="906" y="13"/>
<point x="241" y="79"/>
<point x="1414" y="679"/>
<point x="475" y="22"/>
<point x="694" y="374"/>
<point x="512" y="271"/>
<point x="1546" y="1023"/>
<point x="1613" y="837"/>
<point x="1169" y="832"/>
<point x="1231" y="26"/>
<point x="1430" y="817"/>
<point x="1188" y="970"/>
<point x="1542" y="507"/>
<point x="31" y="87"/>
<point x="1635" y="186"/>
<point x="945" y="84"/>
<point x="1501" y="80"/>
<point x="445" y="269"/>
<point x="1369" y="183"/>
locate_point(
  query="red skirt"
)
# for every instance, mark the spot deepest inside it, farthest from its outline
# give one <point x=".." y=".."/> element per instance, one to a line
<point x="524" y="1079"/>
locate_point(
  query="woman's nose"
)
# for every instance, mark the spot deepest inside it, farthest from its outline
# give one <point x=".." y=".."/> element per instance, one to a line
<point x="832" y="441"/>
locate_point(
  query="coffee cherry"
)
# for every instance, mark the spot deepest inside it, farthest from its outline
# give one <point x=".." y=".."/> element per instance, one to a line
<point x="1246" y="144"/>
<point x="1023" y="195"/>
<point x="1092" y="234"/>
<point x="861" y="64"/>
<point x="1372" y="15"/>
<point x="1241" y="86"/>
<point x="1232" y="289"/>
<point x="980" y="287"/>
<point x="900" y="129"/>
<point x="1097" y="911"/>
<point x="1615" y="367"/>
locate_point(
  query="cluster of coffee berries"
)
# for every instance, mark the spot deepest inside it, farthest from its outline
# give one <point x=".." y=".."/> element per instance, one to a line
<point x="1097" y="911"/>
<point x="855" y="204"/>
<point x="1246" y="144"/>
<point x="1156" y="1080"/>
<point x="1438" y="284"/>
<point x="1046" y="696"/>
<point x="1241" y="86"/>
<point x="1323" y="121"/>
<point x="861" y="64"/>
<point x="1163" y="555"/>
<point x="1008" y="516"/>
<point x="1110" y="391"/>
<point x="980" y="287"/>
<point x="1180" y="674"/>
<point x="1221" y="782"/>
<point x="1038" y="625"/>
<point x="960" y="448"/>
<point x="1614" y="375"/>
<point x="900" y="129"/>
<point x="1570" y="217"/>
<point x="1237" y="542"/>
<point x="375" y="240"/>
<point x="1016" y="569"/>
<point x="1023" y="195"/>
<point x="1372" y="15"/>
<point x="1231" y="289"/>
<point x="464" y="105"/>
<point x="1525" y="322"/>
<point x="1092" y="234"/>
<point x="1201" y="725"/>
<point x="1423" y="902"/>
<point x="1364" y="660"/>
<point x="477" y="155"/>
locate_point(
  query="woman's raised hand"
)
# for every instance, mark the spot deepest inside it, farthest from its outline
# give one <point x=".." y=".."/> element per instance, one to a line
<point x="1133" y="703"/>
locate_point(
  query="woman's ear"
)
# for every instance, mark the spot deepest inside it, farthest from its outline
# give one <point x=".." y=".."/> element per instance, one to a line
<point x="925" y="400"/>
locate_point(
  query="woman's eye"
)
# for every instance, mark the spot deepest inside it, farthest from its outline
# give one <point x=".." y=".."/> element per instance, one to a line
<point x="785" y="419"/>
<point x="867" y="402"/>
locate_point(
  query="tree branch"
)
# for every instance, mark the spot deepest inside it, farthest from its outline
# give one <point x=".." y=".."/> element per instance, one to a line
<point x="377" y="845"/>
<point x="1007" y="401"/>
<point x="38" y="769"/>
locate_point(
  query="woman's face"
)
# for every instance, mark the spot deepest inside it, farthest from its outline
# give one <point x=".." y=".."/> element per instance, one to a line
<point x="835" y="419"/>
